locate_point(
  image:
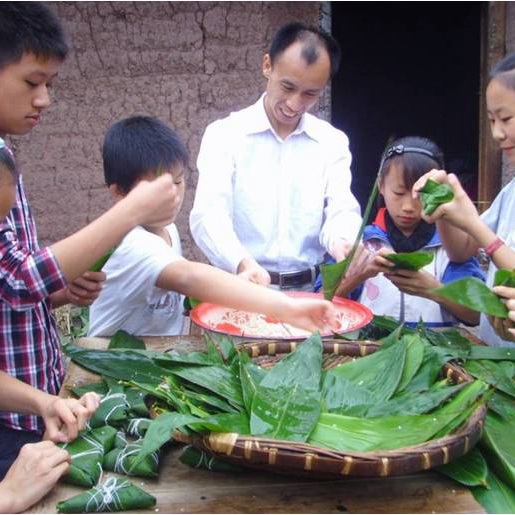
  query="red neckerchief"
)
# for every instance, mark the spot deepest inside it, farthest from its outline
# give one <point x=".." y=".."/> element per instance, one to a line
<point x="380" y="219"/>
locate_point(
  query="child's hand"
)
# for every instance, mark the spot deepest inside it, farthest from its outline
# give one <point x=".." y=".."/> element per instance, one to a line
<point x="84" y="290"/>
<point x="33" y="474"/>
<point x="64" y="418"/>
<point x="413" y="282"/>
<point x="505" y="327"/>
<point x="154" y="203"/>
<point x="311" y="315"/>
<point x="380" y="264"/>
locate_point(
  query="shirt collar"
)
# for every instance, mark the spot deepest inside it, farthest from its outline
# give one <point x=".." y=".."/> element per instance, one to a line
<point x="258" y="122"/>
<point x="380" y="222"/>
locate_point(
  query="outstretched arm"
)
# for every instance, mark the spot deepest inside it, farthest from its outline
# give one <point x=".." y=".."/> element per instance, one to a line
<point x="148" y="203"/>
<point x="460" y="227"/>
<point x="211" y="284"/>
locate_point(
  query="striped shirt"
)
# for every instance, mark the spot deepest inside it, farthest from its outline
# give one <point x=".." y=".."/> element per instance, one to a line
<point x="29" y="342"/>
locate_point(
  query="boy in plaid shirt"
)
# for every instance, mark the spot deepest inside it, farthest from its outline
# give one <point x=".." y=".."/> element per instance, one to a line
<point x="34" y="280"/>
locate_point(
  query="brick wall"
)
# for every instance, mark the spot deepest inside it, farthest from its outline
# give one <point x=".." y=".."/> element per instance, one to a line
<point x="187" y="63"/>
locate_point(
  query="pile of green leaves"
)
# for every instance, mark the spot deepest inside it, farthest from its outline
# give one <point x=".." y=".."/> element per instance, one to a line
<point x="489" y="470"/>
<point x="391" y="398"/>
<point x="394" y="397"/>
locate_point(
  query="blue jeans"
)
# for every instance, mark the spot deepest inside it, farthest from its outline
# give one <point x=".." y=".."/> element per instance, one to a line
<point x="11" y="441"/>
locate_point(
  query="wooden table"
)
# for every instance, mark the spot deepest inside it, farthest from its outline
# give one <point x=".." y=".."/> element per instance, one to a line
<point x="181" y="489"/>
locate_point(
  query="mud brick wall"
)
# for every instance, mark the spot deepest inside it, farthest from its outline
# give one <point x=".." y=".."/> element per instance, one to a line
<point x="187" y="63"/>
<point x="508" y="171"/>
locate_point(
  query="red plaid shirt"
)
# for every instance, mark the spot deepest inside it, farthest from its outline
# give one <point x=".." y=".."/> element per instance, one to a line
<point x="29" y="342"/>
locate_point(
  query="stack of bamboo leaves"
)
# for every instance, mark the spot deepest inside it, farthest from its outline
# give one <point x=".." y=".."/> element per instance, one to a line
<point x="392" y="398"/>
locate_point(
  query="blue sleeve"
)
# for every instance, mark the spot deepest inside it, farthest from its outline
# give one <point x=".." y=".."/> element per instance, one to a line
<point x="469" y="268"/>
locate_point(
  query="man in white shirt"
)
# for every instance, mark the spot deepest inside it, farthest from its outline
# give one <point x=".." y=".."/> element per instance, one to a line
<point x="273" y="195"/>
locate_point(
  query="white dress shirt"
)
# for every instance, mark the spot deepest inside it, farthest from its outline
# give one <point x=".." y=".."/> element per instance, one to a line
<point x="282" y="202"/>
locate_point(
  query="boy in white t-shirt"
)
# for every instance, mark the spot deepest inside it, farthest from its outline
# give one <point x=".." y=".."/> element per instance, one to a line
<point x="147" y="275"/>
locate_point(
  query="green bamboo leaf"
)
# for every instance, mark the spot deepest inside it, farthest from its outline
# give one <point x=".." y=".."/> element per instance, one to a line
<point x="410" y="260"/>
<point x="100" y="262"/>
<point x="160" y="432"/>
<point x="504" y="277"/>
<point x="123" y="340"/>
<point x="450" y="342"/>
<point x="493" y="373"/>
<point x="224" y="423"/>
<point x="345" y="433"/>
<point x="503" y="405"/>
<point x="497" y="498"/>
<point x="499" y="445"/>
<point x="250" y="376"/>
<point x="200" y="459"/>
<point x="345" y="397"/>
<point x="217" y="379"/>
<point x="332" y="274"/>
<point x="414" y="403"/>
<point x="286" y="404"/>
<point x="469" y="470"/>
<point x="123" y="364"/>
<point x="379" y="373"/>
<point x="284" y="412"/>
<point x="415" y="349"/>
<point x="115" y="494"/>
<point x="122" y="461"/>
<point x="433" y="195"/>
<point x="100" y="388"/>
<point x="473" y="294"/>
<point x="492" y="353"/>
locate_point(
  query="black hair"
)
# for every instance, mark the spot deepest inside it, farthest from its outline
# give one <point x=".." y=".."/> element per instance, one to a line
<point x="30" y="27"/>
<point x="504" y="71"/>
<point x="415" y="154"/>
<point x="312" y="38"/>
<point x="137" y="145"/>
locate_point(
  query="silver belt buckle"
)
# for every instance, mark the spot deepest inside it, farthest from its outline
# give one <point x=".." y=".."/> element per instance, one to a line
<point x="282" y="276"/>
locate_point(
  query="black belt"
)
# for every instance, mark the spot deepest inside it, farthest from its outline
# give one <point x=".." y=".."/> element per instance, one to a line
<point x="290" y="279"/>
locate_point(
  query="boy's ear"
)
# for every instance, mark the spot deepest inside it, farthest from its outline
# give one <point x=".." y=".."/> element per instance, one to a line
<point x="116" y="192"/>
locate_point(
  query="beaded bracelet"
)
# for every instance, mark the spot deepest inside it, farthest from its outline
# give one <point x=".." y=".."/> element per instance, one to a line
<point x="491" y="248"/>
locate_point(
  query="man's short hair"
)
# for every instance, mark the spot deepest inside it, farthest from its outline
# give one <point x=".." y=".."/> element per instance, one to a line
<point x="313" y="40"/>
<point x="138" y="145"/>
<point x="30" y="27"/>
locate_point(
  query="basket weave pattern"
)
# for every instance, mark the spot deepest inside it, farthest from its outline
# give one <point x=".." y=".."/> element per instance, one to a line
<point x="296" y="458"/>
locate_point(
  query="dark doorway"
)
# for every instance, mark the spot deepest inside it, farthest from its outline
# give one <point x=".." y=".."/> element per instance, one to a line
<point x="408" y="68"/>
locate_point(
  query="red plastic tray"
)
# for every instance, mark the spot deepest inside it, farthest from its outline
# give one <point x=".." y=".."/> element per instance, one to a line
<point x="232" y="322"/>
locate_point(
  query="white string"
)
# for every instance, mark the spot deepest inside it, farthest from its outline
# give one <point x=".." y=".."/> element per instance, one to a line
<point x="105" y="495"/>
<point x="122" y="404"/>
<point x="122" y="460"/>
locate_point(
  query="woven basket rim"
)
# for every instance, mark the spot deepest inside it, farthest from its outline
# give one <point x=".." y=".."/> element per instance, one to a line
<point x="313" y="461"/>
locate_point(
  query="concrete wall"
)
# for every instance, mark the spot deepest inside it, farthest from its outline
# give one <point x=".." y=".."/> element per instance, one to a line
<point x="187" y="63"/>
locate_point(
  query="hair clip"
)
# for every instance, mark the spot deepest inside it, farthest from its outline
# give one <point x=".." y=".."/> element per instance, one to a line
<point x="396" y="149"/>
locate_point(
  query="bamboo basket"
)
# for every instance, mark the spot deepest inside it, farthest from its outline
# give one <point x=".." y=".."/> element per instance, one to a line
<point x="294" y="458"/>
